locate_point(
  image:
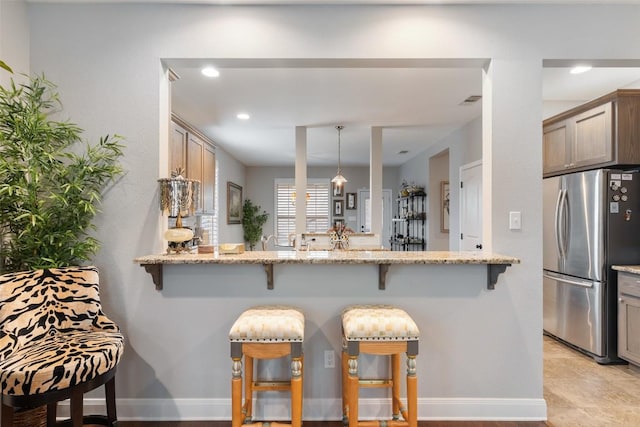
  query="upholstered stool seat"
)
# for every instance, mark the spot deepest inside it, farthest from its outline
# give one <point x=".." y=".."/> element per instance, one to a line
<point x="386" y="331"/>
<point x="266" y="332"/>
<point x="56" y="343"/>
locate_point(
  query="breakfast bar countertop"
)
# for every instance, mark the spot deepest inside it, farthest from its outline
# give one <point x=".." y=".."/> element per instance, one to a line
<point x="332" y="257"/>
<point x="496" y="264"/>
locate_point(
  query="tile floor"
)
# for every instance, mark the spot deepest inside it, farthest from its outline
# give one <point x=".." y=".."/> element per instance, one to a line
<point x="581" y="393"/>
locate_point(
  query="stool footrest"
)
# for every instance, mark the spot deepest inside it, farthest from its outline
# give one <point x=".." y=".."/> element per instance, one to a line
<point x="383" y="423"/>
<point x="375" y="383"/>
<point x="272" y="385"/>
<point x="267" y="424"/>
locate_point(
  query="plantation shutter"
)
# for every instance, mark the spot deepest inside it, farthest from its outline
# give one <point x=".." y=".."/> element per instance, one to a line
<point x="317" y="208"/>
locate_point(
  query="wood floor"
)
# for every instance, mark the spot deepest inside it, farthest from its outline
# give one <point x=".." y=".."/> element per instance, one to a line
<point x="334" y="424"/>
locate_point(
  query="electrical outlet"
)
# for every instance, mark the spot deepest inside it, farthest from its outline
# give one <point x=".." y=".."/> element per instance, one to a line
<point x="329" y="359"/>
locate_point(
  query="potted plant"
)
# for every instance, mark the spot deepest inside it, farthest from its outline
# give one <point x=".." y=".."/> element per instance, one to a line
<point x="252" y="222"/>
<point x="51" y="182"/>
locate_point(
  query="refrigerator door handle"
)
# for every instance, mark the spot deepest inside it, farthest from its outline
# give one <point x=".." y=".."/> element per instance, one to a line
<point x="569" y="281"/>
<point x="561" y="220"/>
<point x="557" y="223"/>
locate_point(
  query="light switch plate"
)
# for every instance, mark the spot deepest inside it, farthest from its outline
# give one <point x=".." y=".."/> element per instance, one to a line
<point x="515" y="220"/>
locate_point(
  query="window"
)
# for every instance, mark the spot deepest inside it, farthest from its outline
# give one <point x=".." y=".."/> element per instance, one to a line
<point x="317" y="208"/>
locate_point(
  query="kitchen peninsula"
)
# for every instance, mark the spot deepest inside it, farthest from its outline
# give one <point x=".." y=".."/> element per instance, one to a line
<point x="495" y="263"/>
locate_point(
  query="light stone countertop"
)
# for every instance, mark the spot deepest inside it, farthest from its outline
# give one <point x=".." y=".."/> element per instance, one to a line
<point x="332" y="257"/>
<point x="633" y="269"/>
<point x="496" y="264"/>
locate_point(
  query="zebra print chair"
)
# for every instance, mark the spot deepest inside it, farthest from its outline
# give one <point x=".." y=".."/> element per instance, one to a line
<point x="56" y="344"/>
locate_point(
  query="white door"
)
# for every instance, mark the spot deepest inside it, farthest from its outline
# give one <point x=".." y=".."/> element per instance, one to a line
<point x="471" y="207"/>
<point x="364" y="216"/>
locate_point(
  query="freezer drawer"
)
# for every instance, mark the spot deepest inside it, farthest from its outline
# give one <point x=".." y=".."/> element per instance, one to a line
<point x="574" y="311"/>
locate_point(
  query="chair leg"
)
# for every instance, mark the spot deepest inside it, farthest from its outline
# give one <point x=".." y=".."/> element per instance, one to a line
<point x="345" y="386"/>
<point x="296" y="392"/>
<point x="110" y="397"/>
<point x="395" y="386"/>
<point x="353" y="391"/>
<point x="52" y="409"/>
<point x="248" y="390"/>
<point x="76" y="408"/>
<point x="236" y="393"/>
<point x="412" y="391"/>
<point x="7" y="416"/>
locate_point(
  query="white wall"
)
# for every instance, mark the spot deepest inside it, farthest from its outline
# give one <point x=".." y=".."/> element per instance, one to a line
<point x="14" y="39"/>
<point x="481" y="347"/>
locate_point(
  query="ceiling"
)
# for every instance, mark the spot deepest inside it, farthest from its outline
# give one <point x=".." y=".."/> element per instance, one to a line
<point x="415" y="103"/>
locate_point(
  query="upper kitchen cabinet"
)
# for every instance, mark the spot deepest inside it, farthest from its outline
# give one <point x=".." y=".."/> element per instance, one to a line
<point x="602" y="132"/>
<point x="195" y="155"/>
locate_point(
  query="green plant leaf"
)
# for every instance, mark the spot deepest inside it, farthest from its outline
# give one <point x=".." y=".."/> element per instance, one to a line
<point x="51" y="182"/>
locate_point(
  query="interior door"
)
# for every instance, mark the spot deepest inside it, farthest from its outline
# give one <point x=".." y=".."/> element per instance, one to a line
<point x="364" y="215"/>
<point x="471" y="207"/>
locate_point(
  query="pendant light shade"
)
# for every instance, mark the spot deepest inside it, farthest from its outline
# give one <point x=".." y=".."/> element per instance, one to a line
<point x="339" y="180"/>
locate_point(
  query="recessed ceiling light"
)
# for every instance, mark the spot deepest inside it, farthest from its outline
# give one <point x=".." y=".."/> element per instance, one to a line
<point x="243" y="116"/>
<point x="579" y="69"/>
<point x="210" y="72"/>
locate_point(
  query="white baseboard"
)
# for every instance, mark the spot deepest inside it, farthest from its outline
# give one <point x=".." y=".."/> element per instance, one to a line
<point x="320" y="409"/>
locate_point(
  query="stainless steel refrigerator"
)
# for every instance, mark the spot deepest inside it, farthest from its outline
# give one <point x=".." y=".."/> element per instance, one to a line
<point x="591" y="221"/>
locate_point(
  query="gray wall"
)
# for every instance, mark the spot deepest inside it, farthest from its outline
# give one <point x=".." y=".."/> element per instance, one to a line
<point x="229" y="169"/>
<point x="482" y="354"/>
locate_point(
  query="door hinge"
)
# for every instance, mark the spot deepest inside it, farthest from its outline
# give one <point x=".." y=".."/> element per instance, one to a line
<point x="461" y="184"/>
<point x="461" y="236"/>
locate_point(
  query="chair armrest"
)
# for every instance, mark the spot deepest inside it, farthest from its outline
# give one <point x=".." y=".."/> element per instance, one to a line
<point x="102" y="322"/>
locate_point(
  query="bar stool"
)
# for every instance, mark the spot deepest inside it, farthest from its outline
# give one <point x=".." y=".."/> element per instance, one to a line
<point x="379" y="330"/>
<point x="266" y="332"/>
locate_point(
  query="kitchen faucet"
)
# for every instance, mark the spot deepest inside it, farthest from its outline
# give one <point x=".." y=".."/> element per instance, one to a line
<point x="265" y="240"/>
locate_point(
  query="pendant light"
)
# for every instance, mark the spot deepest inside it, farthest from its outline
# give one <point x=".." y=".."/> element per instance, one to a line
<point x="339" y="180"/>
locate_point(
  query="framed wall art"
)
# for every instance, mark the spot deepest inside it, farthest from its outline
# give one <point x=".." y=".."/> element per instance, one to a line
<point x="351" y="201"/>
<point x="338" y="190"/>
<point x="234" y="203"/>
<point x="444" y="206"/>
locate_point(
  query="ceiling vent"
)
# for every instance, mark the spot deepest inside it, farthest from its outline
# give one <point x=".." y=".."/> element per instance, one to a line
<point x="471" y="100"/>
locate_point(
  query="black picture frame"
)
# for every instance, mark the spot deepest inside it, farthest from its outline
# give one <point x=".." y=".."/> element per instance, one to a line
<point x="352" y="201"/>
<point x="338" y="208"/>
<point x="338" y="190"/>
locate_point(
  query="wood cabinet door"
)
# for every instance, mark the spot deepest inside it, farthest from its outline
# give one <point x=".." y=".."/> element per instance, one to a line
<point x="195" y="156"/>
<point x="208" y="185"/>
<point x="177" y="148"/>
<point x="593" y="137"/>
<point x="555" y="147"/>
<point x="629" y="317"/>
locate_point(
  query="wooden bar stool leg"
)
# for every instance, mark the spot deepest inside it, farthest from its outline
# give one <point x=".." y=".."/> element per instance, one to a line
<point x="247" y="408"/>
<point x="412" y="391"/>
<point x="236" y="393"/>
<point x="296" y="392"/>
<point x="395" y="386"/>
<point x="353" y="391"/>
<point x="345" y="386"/>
